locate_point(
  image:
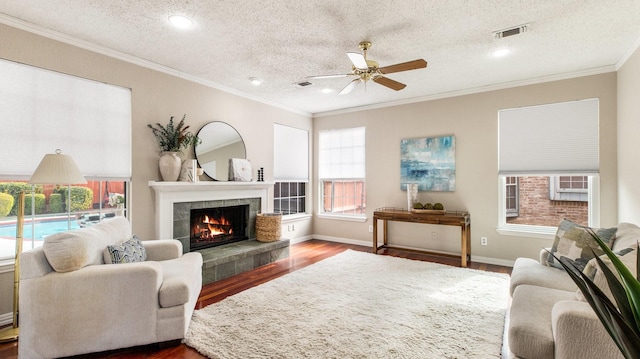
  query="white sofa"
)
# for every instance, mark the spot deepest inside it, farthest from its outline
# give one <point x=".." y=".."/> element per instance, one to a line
<point x="549" y="317"/>
<point x="72" y="303"/>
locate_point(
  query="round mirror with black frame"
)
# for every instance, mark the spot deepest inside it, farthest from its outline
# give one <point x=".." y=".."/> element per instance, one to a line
<point x="220" y="142"/>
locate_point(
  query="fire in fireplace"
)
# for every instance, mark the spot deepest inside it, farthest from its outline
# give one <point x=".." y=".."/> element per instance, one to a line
<point x="216" y="226"/>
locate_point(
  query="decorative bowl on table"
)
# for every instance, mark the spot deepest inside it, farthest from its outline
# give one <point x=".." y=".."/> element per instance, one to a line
<point x="437" y="208"/>
<point x="429" y="211"/>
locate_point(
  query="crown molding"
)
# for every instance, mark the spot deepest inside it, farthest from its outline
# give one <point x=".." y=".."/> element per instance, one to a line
<point x="628" y="54"/>
<point x="55" y="35"/>
<point x="475" y="90"/>
<point x="70" y="40"/>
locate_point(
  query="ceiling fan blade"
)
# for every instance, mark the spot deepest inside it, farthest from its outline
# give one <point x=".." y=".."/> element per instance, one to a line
<point x="349" y="87"/>
<point x="392" y="84"/>
<point x="328" y="76"/>
<point x="358" y="60"/>
<point x="405" y="66"/>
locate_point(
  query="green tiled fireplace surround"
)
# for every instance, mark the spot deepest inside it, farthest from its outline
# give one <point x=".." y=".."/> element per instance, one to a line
<point x="227" y="260"/>
<point x="230" y="259"/>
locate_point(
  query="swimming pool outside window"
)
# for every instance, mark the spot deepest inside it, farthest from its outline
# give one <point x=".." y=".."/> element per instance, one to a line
<point x="47" y="211"/>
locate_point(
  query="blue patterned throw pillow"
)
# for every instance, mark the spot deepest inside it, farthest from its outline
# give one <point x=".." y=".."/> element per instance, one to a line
<point x="130" y="251"/>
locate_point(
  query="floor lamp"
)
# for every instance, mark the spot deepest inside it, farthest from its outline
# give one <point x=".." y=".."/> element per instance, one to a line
<point x="54" y="169"/>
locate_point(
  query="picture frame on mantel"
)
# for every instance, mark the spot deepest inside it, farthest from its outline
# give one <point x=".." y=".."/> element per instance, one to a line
<point x="240" y="170"/>
<point x="430" y="162"/>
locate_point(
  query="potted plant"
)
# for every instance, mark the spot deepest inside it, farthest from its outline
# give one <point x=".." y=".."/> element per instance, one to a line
<point x="117" y="200"/>
<point x="172" y="139"/>
<point x="622" y="322"/>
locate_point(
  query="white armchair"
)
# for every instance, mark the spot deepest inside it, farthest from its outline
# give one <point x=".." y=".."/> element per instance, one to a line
<point x="72" y="303"/>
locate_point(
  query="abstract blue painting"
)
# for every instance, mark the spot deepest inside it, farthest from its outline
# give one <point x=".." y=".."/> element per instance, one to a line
<point x="430" y="162"/>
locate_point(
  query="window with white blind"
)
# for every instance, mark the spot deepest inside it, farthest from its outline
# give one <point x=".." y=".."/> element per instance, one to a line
<point x="541" y="149"/>
<point x="341" y="170"/>
<point x="290" y="169"/>
<point x="43" y="111"/>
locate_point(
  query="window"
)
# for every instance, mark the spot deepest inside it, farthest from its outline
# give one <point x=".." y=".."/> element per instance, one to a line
<point x="290" y="169"/>
<point x="511" y="197"/>
<point x="289" y="197"/>
<point x="539" y="205"/>
<point x="47" y="211"/>
<point x="341" y="168"/>
<point x="548" y="166"/>
<point x="345" y="197"/>
<point x="88" y="120"/>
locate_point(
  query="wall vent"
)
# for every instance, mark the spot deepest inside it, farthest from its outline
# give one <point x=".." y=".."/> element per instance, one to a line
<point x="304" y="83"/>
<point x="510" y="31"/>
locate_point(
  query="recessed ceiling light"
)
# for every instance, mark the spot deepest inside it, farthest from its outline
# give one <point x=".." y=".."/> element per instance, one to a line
<point x="501" y="52"/>
<point x="180" y="21"/>
<point x="325" y="90"/>
<point x="256" y="81"/>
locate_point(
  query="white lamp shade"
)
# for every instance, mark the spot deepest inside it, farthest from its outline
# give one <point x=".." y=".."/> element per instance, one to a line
<point x="57" y="169"/>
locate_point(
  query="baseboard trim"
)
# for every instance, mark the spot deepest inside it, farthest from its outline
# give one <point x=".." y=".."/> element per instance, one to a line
<point x="479" y="259"/>
<point x="489" y="260"/>
<point x="344" y="240"/>
<point x="300" y="239"/>
<point x="6" y="319"/>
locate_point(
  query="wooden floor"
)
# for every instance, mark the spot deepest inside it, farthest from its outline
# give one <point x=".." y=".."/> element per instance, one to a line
<point x="302" y="255"/>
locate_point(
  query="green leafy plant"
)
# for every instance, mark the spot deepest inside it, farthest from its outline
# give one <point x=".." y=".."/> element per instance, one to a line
<point x="81" y="198"/>
<point x="621" y="322"/>
<point x="56" y="203"/>
<point x="6" y="203"/>
<point x="39" y="201"/>
<point x="173" y="138"/>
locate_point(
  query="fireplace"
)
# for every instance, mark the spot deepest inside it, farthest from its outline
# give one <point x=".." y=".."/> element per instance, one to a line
<point x="210" y="227"/>
<point x="175" y="200"/>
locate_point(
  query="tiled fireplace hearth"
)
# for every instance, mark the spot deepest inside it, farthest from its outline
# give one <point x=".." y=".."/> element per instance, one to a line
<point x="176" y="202"/>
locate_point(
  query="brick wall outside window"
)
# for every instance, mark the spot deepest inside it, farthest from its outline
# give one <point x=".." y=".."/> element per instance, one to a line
<point x="537" y="209"/>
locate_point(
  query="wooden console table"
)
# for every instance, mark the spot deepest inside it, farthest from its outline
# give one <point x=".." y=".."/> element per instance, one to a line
<point x="460" y="219"/>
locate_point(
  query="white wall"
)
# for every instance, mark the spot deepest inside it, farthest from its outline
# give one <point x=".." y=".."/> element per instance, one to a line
<point x="628" y="137"/>
<point x="473" y="120"/>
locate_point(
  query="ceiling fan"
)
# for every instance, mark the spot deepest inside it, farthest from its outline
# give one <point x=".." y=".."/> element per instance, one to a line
<point x="364" y="70"/>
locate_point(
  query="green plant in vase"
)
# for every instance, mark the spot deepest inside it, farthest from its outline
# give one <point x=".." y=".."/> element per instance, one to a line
<point x="172" y="139"/>
<point x="622" y="322"/>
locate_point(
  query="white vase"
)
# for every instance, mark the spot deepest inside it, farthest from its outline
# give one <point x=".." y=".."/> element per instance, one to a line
<point x="120" y="210"/>
<point x="412" y="195"/>
<point x="170" y="165"/>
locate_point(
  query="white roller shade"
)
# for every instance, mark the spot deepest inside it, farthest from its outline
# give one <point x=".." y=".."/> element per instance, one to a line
<point x="342" y="153"/>
<point x="42" y="110"/>
<point x="558" y="138"/>
<point x="290" y="154"/>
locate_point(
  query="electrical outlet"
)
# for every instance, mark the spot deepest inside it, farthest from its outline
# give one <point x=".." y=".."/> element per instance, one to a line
<point x="293" y="227"/>
<point x="370" y="229"/>
<point x="434" y="235"/>
<point x="483" y="241"/>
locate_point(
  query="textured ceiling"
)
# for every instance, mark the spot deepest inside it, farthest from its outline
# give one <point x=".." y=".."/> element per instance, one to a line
<point x="284" y="41"/>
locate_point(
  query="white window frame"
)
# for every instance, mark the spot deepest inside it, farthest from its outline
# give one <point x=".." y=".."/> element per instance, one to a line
<point x="289" y="197"/>
<point x="291" y="160"/>
<point x="532" y="141"/>
<point x="545" y="232"/>
<point x="88" y="120"/>
<point x="321" y="181"/>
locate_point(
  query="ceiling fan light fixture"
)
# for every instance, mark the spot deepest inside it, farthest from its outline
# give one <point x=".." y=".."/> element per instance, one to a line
<point x="180" y="21"/>
<point x="256" y="81"/>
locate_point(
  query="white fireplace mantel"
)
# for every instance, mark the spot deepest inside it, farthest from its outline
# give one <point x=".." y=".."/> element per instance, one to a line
<point x="168" y="193"/>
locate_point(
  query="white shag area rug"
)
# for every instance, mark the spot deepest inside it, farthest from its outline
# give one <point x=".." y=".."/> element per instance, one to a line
<point x="359" y="305"/>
